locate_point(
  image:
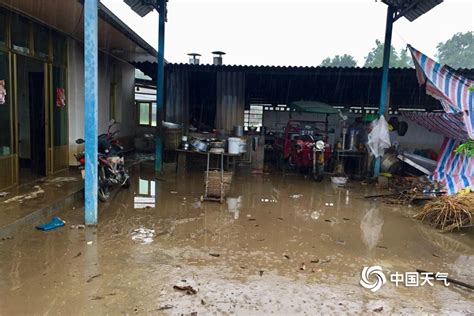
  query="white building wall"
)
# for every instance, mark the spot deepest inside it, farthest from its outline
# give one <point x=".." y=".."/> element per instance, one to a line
<point x="124" y="77"/>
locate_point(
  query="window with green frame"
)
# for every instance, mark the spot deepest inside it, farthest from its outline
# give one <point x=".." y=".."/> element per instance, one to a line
<point x="147" y="113"/>
<point x="59" y="110"/>
<point x="5" y="109"/>
<point x="3" y="29"/>
<point x="20" y="34"/>
<point x="59" y="48"/>
<point x="41" y="41"/>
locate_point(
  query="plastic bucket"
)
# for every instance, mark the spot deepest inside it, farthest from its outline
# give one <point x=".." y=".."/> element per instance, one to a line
<point x="243" y="145"/>
<point x="234" y="145"/>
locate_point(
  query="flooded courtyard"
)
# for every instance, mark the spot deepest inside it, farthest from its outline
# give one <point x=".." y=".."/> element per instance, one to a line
<point x="278" y="245"/>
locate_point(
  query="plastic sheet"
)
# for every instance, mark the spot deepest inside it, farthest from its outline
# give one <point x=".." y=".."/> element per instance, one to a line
<point x="379" y="137"/>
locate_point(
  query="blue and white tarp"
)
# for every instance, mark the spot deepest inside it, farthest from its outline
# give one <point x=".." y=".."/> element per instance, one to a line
<point x="455" y="171"/>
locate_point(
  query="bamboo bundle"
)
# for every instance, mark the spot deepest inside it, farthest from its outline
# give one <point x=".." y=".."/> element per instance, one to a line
<point x="449" y="212"/>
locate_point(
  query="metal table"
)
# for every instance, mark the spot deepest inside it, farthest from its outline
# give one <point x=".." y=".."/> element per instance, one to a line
<point x="181" y="158"/>
<point x="181" y="163"/>
<point x="360" y="155"/>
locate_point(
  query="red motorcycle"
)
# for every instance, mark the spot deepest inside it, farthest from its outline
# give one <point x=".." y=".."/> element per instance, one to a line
<point x="304" y="147"/>
<point x="111" y="164"/>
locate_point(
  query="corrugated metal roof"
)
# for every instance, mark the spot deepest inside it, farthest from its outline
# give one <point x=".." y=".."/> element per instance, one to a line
<point x="279" y="85"/>
<point x="150" y="69"/>
<point x="412" y="9"/>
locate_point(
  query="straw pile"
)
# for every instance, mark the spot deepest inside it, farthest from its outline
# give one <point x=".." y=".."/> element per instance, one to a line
<point x="449" y="212"/>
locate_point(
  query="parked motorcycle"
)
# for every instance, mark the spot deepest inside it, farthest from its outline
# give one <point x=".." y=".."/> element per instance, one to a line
<point x="308" y="154"/>
<point x="303" y="147"/>
<point x="111" y="163"/>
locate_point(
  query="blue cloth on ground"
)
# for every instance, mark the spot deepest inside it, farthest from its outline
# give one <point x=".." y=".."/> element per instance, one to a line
<point x="54" y="223"/>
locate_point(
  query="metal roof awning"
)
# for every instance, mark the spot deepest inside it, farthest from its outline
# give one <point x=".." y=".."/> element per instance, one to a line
<point x="115" y="36"/>
<point x="411" y="9"/>
<point x="141" y="7"/>
<point x="313" y="107"/>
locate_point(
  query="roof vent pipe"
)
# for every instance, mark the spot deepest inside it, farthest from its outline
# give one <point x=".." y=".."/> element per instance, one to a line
<point x="218" y="57"/>
<point x="194" y="58"/>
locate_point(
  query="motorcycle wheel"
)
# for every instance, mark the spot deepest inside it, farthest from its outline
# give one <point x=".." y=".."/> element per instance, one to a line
<point x="104" y="193"/>
<point x="126" y="184"/>
<point x="318" y="175"/>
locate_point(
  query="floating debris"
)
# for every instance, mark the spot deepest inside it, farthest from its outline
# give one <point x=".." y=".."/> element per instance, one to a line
<point x="61" y="179"/>
<point x="143" y="235"/>
<point x="80" y="226"/>
<point x="188" y="289"/>
<point x="303" y="267"/>
<point x="325" y="237"/>
<point x="287" y="257"/>
<point x="3" y="194"/>
<point x="164" y="307"/>
<point x="215" y="255"/>
<point x="29" y="196"/>
<point x="93" y="277"/>
<point x="378" y="310"/>
<point x="315" y="215"/>
<point x="296" y="196"/>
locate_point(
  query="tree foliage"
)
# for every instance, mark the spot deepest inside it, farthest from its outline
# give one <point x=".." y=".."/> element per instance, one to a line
<point x="340" y="61"/>
<point x="458" y="51"/>
<point x="375" y="57"/>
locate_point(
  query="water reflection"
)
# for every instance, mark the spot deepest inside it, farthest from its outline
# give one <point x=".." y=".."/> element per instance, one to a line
<point x="146" y="196"/>
<point x="371" y="226"/>
<point x="234" y="204"/>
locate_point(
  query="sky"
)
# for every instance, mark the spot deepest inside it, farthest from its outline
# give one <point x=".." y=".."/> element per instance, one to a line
<point x="291" y="32"/>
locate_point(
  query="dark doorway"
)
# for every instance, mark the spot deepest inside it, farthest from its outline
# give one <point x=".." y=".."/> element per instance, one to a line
<point x="31" y="118"/>
<point x="37" y="123"/>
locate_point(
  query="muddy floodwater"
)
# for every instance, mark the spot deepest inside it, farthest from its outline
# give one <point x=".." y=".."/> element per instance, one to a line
<point x="281" y="245"/>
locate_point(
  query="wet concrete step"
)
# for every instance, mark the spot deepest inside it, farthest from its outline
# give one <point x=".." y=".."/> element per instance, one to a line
<point x="29" y="205"/>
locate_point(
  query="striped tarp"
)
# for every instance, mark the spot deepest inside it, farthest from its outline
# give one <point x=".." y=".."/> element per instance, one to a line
<point x="445" y="85"/>
<point x="448" y="124"/>
<point x="455" y="171"/>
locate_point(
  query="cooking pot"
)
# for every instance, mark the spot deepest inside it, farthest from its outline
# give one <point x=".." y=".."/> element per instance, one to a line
<point x="239" y="131"/>
<point x="217" y="144"/>
<point x="199" y="145"/>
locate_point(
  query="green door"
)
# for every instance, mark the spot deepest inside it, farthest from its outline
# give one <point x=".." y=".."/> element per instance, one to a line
<point x="8" y="148"/>
<point x="58" y="118"/>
